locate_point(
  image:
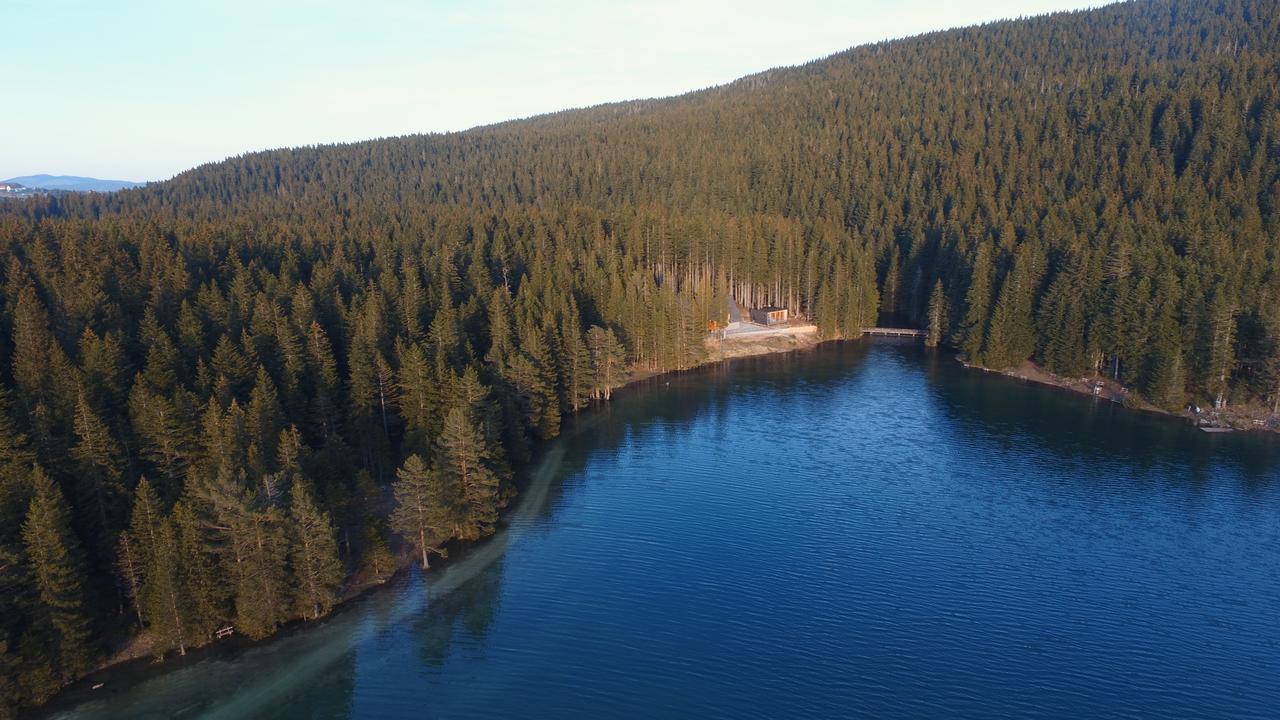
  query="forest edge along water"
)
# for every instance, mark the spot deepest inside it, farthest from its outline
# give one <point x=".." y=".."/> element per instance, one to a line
<point x="869" y="375"/>
<point x="466" y="559"/>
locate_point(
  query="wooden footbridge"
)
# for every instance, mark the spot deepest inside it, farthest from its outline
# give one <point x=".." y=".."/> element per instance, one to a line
<point x="893" y="332"/>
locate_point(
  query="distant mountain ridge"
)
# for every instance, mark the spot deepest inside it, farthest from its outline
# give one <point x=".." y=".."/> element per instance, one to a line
<point x="72" y="183"/>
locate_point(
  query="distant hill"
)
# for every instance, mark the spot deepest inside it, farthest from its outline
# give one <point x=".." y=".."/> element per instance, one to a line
<point x="72" y="183"/>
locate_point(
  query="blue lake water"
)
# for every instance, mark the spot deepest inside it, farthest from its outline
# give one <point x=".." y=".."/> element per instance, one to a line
<point x="863" y="530"/>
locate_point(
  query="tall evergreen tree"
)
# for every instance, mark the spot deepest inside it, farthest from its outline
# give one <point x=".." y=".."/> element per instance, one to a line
<point x="466" y="462"/>
<point x="973" y="329"/>
<point x="936" y="316"/>
<point x="428" y="507"/>
<point x="317" y="570"/>
<point x="54" y="554"/>
<point x="98" y="488"/>
<point x="608" y="359"/>
<point x="164" y="595"/>
<point x="207" y="594"/>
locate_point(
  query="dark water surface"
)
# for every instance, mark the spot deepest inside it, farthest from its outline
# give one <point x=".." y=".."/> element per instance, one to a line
<point x="864" y="530"/>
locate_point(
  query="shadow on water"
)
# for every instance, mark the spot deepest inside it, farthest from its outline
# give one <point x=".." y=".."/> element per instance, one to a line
<point x="677" y="400"/>
<point x="993" y="408"/>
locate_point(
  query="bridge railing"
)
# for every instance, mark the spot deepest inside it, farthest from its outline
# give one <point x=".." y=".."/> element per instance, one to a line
<point x="893" y="332"/>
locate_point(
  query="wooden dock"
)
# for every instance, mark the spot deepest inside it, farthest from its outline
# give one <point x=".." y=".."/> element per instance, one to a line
<point x="893" y="332"/>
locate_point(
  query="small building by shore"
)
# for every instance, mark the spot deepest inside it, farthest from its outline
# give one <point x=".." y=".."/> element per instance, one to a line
<point x="769" y="315"/>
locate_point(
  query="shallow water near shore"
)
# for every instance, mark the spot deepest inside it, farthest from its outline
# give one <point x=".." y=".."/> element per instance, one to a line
<point x="866" y="529"/>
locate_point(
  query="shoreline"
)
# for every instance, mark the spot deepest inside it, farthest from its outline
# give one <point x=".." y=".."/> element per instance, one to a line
<point x="146" y="667"/>
<point x="135" y="660"/>
<point x="1237" y="418"/>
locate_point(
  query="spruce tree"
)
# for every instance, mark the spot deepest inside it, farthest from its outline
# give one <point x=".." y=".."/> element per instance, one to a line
<point x="53" y="552"/>
<point x="164" y="595"/>
<point x="98" y="489"/>
<point x="1219" y="347"/>
<point x="973" y="329"/>
<point x="419" y="397"/>
<point x="317" y="570"/>
<point x="608" y="361"/>
<point x="16" y="459"/>
<point x="129" y="568"/>
<point x="263" y="421"/>
<point x="205" y="586"/>
<point x="376" y="560"/>
<point x="465" y="462"/>
<point x="575" y="365"/>
<point x="260" y="551"/>
<point x="31" y="346"/>
<point x="544" y="405"/>
<point x="936" y="316"/>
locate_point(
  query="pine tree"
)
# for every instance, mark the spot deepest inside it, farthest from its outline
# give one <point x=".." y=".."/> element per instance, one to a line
<point x="892" y="279"/>
<point x="103" y="367"/>
<point x="427" y="510"/>
<point x="229" y="362"/>
<point x="1269" y="370"/>
<point x="9" y="697"/>
<point x="322" y="371"/>
<point x="53" y="551"/>
<point x="501" y="334"/>
<point x="250" y="539"/>
<point x="159" y="587"/>
<point x="862" y="306"/>
<point x="158" y="372"/>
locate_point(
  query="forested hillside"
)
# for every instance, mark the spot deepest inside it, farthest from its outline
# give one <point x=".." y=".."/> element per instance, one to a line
<point x="228" y="394"/>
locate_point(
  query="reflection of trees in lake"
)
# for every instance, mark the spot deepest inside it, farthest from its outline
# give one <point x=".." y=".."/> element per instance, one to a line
<point x="470" y="607"/>
<point x="331" y="698"/>
<point x="992" y="408"/>
<point x="674" y="401"/>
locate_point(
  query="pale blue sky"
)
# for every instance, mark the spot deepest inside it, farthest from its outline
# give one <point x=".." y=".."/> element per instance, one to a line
<point x="143" y="89"/>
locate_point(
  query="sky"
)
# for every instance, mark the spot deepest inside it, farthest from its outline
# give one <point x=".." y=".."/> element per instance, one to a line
<point x="141" y="90"/>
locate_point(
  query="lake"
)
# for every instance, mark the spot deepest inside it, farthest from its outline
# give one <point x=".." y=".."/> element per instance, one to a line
<point x="867" y="529"/>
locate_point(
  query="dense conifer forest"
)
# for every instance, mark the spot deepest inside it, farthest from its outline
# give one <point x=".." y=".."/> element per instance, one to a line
<point x="226" y="397"/>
